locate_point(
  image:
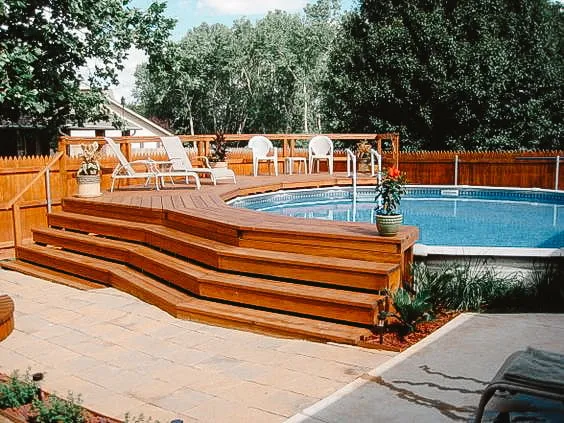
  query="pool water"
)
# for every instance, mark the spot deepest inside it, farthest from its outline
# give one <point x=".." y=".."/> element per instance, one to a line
<point x="445" y="217"/>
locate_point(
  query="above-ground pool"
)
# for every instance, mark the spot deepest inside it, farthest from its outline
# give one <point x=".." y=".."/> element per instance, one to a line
<point x="446" y="216"/>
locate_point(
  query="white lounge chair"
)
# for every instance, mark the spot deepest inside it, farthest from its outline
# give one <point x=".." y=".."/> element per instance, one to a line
<point x="181" y="162"/>
<point x="261" y="147"/>
<point x="153" y="169"/>
<point x="320" y="148"/>
<point x="125" y="170"/>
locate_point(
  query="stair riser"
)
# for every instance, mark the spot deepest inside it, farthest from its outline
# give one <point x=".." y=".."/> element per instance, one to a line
<point x="294" y="304"/>
<point x="116" y="211"/>
<point x="232" y="321"/>
<point x="202" y="227"/>
<point x="279" y="242"/>
<point x="97" y="227"/>
<point x="68" y="266"/>
<point x="344" y="278"/>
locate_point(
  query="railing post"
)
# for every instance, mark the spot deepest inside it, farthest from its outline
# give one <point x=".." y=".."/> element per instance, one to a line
<point x="456" y="170"/>
<point x="557" y="172"/>
<point x="17" y="224"/>
<point x="63" y="146"/>
<point x="48" y="189"/>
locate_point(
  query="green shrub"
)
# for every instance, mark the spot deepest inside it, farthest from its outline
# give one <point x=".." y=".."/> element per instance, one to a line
<point x="465" y="287"/>
<point x="478" y="286"/>
<point x="411" y="309"/>
<point x="57" y="410"/>
<point x="18" y="390"/>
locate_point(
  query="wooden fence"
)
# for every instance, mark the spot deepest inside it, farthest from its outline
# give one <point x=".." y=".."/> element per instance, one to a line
<point x="510" y="169"/>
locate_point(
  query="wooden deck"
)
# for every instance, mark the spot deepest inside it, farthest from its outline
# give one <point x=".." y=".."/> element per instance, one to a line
<point x="188" y="252"/>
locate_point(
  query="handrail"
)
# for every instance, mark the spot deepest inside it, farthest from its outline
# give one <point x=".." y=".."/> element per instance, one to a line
<point x="351" y="158"/>
<point x="9" y="204"/>
<point x="379" y="160"/>
<point x="13" y="203"/>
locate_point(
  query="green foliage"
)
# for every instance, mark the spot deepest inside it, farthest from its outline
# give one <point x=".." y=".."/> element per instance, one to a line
<point x="218" y="148"/>
<point x="450" y="75"/>
<point x="90" y="156"/>
<point x="258" y="77"/>
<point x="18" y="390"/>
<point x="389" y="192"/>
<point x="411" y="309"/>
<point x="466" y="287"/>
<point x="45" y="46"/>
<point x="478" y="286"/>
<point x="56" y="410"/>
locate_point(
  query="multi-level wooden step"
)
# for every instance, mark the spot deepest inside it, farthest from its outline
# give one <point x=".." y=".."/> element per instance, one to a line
<point x="325" y="302"/>
<point x="182" y="305"/>
<point x="50" y="275"/>
<point x="328" y="270"/>
<point x="249" y="229"/>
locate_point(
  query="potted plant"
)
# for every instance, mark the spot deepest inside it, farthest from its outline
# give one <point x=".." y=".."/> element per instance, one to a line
<point x="363" y="156"/>
<point x="89" y="171"/>
<point x="218" y="151"/>
<point x="388" y="197"/>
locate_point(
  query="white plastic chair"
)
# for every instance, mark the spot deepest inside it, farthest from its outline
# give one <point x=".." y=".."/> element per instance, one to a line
<point x="320" y="148"/>
<point x="261" y="147"/>
<point x="181" y="162"/>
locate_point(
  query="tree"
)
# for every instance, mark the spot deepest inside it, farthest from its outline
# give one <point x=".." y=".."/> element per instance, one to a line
<point x="446" y="74"/>
<point x="248" y="78"/>
<point x="45" y="44"/>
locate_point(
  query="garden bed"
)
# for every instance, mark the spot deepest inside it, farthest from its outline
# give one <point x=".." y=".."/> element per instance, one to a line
<point x="393" y="341"/>
<point x="26" y="413"/>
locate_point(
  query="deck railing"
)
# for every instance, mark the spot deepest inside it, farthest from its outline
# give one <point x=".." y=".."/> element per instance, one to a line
<point x="13" y="204"/>
<point x="24" y="198"/>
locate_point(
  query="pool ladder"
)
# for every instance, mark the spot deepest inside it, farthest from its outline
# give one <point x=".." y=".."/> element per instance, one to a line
<point x="351" y="171"/>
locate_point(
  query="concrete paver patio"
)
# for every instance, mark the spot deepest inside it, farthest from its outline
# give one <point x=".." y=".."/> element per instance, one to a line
<point x="123" y="355"/>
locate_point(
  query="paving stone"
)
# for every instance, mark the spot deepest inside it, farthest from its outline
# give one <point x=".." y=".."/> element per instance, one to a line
<point x="220" y="410"/>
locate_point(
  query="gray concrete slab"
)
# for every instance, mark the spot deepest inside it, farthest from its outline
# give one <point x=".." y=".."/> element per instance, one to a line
<point x="123" y="355"/>
<point x="441" y="378"/>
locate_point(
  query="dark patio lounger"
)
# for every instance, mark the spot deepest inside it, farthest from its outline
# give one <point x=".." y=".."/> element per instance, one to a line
<point x="532" y="372"/>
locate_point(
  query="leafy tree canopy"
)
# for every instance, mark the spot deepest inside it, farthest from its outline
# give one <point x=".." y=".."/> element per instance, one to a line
<point x="44" y="46"/>
<point x="262" y="77"/>
<point x="446" y="74"/>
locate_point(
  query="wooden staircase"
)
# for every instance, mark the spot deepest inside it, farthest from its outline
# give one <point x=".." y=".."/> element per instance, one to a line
<point x="223" y="266"/>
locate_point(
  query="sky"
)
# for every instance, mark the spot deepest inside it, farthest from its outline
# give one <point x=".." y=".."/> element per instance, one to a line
<point x="191" y="13"/>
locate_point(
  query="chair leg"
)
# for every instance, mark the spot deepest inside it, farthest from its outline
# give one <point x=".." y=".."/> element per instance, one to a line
<point x="275" y="163"/>
<point x="486" y="396"/>
<point x="112" y="187"/>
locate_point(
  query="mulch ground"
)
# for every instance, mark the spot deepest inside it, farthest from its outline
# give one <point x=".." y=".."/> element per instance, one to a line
<point x="394" y="341"/>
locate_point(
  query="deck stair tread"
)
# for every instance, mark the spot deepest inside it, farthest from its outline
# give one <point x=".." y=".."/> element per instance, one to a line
<point x="182" y="305"/>
<point x="257" y="291"/>
<point x="50" y="275"/>
<point x="141" y="232"/>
